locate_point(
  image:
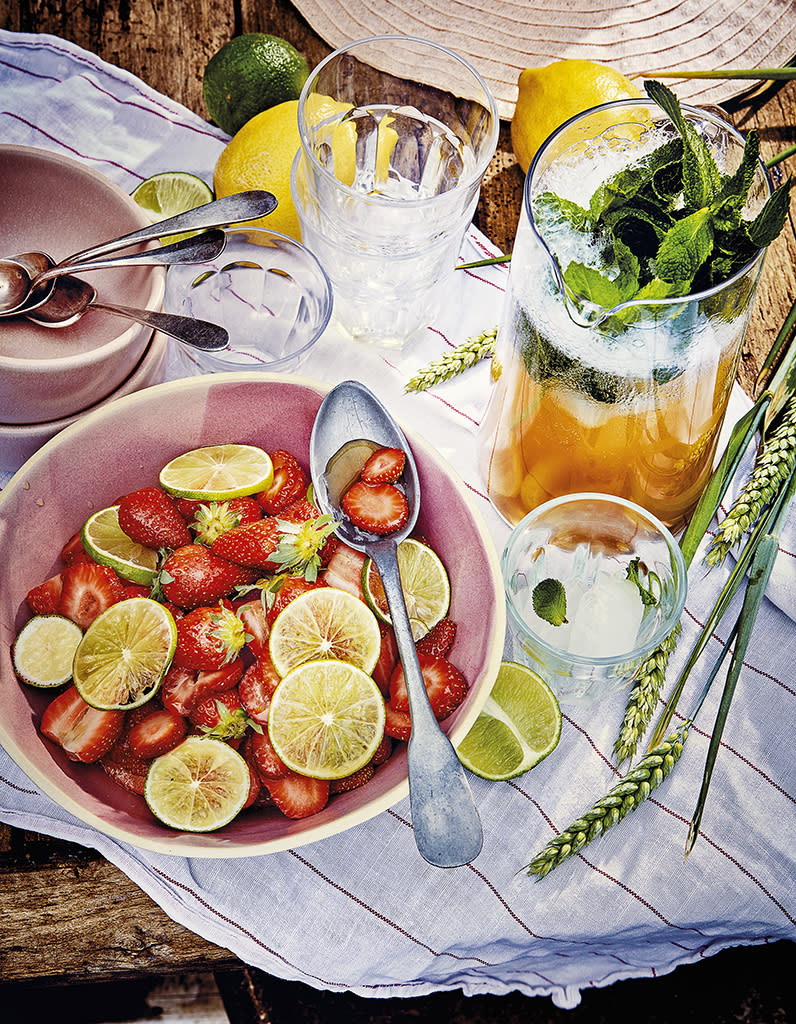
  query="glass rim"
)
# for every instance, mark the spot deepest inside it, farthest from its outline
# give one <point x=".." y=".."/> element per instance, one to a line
<point x="491" y="106"/>
<point x="630" y="303"/>
<point x="679" y="571"/>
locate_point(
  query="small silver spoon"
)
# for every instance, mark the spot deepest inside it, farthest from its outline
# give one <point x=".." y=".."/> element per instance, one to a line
<point x="446" y="824"/>
<point x="40" y="288"/>
<point x="73" y="297"/>
<point x="220" y="212"/>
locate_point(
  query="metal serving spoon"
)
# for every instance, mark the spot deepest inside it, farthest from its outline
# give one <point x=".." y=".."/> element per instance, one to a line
<point x="73" y="297"/>
<point x="446" y="823"/>
<point x="17" y="276"/>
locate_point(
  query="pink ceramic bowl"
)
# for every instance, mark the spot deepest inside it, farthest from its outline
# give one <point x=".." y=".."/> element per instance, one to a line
<point x="122" y="446"/>
<point x="57" y="205"/>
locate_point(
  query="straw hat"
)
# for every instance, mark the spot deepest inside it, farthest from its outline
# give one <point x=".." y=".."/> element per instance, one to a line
<point x="502" y="37"/>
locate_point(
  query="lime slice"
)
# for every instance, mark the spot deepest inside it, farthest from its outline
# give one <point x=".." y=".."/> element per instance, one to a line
<point x="124" y="654"/>
<point x="218" y="472"/>
<point x="169" y="193"/>
<point x="44" y="650"/>
<point x="520" y="724"/>
<point x="425" y="584"/>
<point x="325" y="624"/>
<point x="107" y="543"/>
<point x="326" y="719"/>
<point x="198" y="786"/>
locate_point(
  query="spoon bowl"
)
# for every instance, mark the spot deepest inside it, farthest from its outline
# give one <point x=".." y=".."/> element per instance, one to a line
<point x="446" y="824"/>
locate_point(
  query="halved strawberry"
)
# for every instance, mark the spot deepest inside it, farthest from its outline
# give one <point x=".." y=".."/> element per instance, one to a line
<point x="256" y="688"/>
<point x="87" y="590"/>
<point x="439" y="639"/>
<point x="252" y="545"/>
<point x="194" y="576"/>
<point x="150" y="517"/>
<point x="384" y="466"/>
<point x="73" y="550"/>
<point x="298" y="796"/>
<point x="359" y="778"/>
<point x="289" y="482"/>
<point x="208" y="638"/>
<point x="377" y="508"/>
<point x="157" y="733"/>
<point x="184" y="687"/>
<point x="289" y="588"/>
<point x="259" y="751"/>
<point x="344" y="570"/>
<point x="255" y="625"/>
<point x="255" y="787"/>
<point x="445" y="685"/>
<point x="120" y="763"/>
<point x="85" y="733"/>
<point x="388" y="658"/>
<point x="397" y="724"/>
<point x="43" y="599"/>
<point x="383" y="751"/>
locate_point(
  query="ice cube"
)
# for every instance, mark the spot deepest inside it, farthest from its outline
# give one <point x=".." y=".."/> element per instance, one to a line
<point x="606" y="621"/>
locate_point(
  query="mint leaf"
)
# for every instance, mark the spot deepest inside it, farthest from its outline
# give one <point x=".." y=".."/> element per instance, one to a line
<point x="550" y="601"/>
<point x="596" y="287"/>
<point x="685" y="247"/>
<point x="701" y="177"/>
<point x="771" y="219"/>
<point x="645" y="593"/>
<point x="640" y="226"/>
<point x="735" y="187"/>
<point x="658" y="172"/>
<point x="549" y="207"/>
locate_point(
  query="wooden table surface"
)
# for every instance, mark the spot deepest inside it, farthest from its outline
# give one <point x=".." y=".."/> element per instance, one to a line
<point x="62" y="904"/>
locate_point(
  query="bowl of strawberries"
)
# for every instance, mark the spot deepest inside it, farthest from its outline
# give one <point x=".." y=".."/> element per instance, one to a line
<point x="177" y="610"/>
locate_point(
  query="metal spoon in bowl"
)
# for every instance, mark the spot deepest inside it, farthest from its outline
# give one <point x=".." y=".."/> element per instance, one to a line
<point x="243" y="206"/>
<point x="188" y="250"/>
<point x="73" y="297"/>
<point x="446" y="824"/>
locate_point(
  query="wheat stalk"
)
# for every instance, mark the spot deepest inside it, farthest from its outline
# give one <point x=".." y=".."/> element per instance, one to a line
<point x="454" y="362"/>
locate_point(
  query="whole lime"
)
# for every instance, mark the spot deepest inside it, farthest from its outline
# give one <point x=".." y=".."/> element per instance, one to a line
<point x="249" y="74"/>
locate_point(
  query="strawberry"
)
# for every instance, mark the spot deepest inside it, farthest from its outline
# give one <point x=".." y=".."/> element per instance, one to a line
<point x="298" y="796"/>
<point x="256" y="688"/>
<point x="445" y="685"/>
<point x="344" y="570"/>
<point x="255" y="787"/>
<point x="359" y="778"/>
<point x="252" y="544"/>
<point x="397" y="724"/>
<point x="388" y="658"/>
<point x="183" y="687"/>
<point x="120" y="763"/>
<point x="194" y="576"/>
<point x="208" y="638"/>
<point x="85" y="733"/>
<point x="134" y="590"/>
<point x="225" y="678"/>
<point x="150" y="517"/>
<point x="300" y="511"/>
<point x="88" y="589"/>
<point x="43" y="599"/>
<point x="157" y="733"/>
<point x="439" y="639"/>
<point x="255" y="625"/>
<point x="289" y="482"/>
<point x="286" y="589"/>
<point x="259" y="752"/>
<point x="220" y="715"/>
<point x="383" y="751"/>
<point x="376" y="508"/>
<point x="384" y="466"/>
<point x="73" y="550"/>
<point x="209" y="519"/>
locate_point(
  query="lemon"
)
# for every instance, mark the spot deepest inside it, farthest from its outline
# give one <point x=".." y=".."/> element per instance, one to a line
<point x="326" y="719"/>
<point x="124" y="654"/>
<point x="107" y="543"/>
<point x="550" y="95"/>
<point x="260" y="156"/>
<point x="44" y="650"/>
<point x="325" y="624"/>
<point x="198" y="786"/>
<point x="169" y="193"/>
<point x="249" y="74"/>
<point x="424" y="581"/>
<point x="519" y="725"/>
<point x="218" y="472"/>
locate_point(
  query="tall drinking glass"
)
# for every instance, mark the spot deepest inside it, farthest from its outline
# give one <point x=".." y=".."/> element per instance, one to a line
<point x="388" y="177"/>
<point x="627" y="400"/>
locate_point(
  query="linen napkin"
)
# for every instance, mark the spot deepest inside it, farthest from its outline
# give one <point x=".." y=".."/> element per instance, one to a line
<point x="362" y="911"/>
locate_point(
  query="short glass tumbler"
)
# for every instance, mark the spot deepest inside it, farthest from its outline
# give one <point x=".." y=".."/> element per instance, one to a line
<point x="270" y="293"/>
<point x="624" y="581"/>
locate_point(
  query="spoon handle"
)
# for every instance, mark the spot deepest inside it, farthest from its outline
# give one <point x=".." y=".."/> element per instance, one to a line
<point x="446" y="823"/>
<point x="187" y="250"/>
<point x="218" y="214"/>
<point x="196" y="333"/>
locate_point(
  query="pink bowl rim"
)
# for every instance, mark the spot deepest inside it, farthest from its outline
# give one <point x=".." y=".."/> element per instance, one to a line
<point x="202" y="844"/>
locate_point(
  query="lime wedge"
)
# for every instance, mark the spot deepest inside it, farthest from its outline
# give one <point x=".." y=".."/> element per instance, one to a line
<point x="169" y="193"/>
<point x="520" y="724"/>
<point x="326" y="719"/>
<point x="107" y="543"/>
<point x="424" y="581"/>
<point x="124" y="654"/>
<point x="218" y="472"/>
<point x="325" y="624"/>
<point x="44" y="649"/>
<point x="198" y="786"/>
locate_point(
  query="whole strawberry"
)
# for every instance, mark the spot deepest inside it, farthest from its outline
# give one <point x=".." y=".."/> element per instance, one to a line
<point x="208" y="638"/>
<point x="150" y="517"/>
<point x="252" y="544"/>
<point x="193" y="576"/>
